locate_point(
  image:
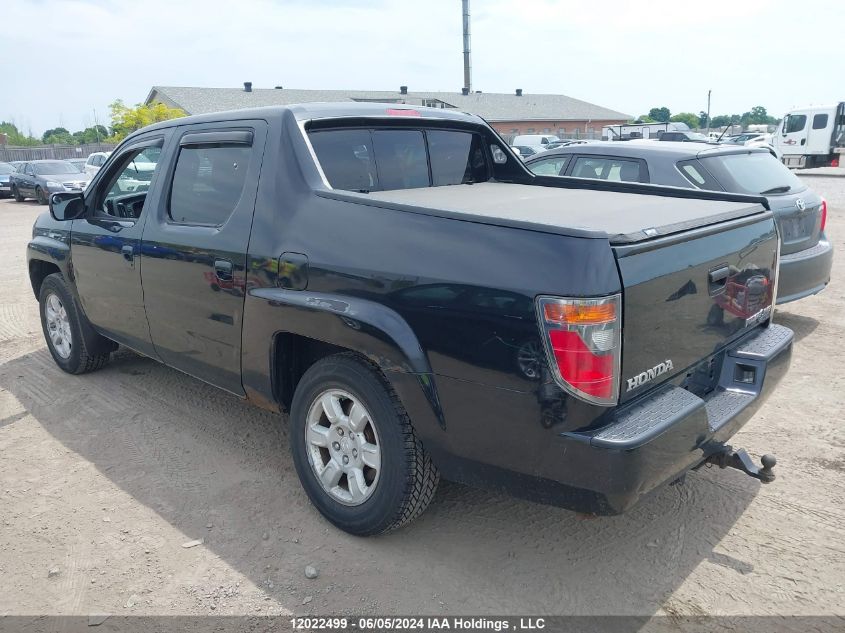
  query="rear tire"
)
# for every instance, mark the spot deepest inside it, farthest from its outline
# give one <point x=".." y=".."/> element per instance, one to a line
<point x="370" y="432"/>
<point x="72" y="342"/>
<point x="17" y="194"/>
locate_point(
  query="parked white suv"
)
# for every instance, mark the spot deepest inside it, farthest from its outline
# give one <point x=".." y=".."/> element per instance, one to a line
<point x="95" y="161"/>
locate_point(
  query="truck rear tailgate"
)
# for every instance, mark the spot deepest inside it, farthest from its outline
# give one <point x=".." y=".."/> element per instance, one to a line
<point x="688" y="295"/>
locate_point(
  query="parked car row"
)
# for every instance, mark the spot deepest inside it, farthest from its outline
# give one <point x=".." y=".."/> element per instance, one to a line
<point x="39" y="178"/>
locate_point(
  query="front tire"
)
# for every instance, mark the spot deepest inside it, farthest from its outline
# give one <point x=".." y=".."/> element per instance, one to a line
<point x="355" y="450"/>
<point x="39" y="196"/>
<point x="74" y="345"/>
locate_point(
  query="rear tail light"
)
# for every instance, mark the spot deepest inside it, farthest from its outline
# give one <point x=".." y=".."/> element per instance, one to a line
<point x="582" y="338"/>
<point x="824" y="213"/>
<point x="402" y="112"/>
<point x="834" y="162"/>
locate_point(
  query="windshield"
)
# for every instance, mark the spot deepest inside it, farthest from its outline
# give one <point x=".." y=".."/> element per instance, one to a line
<point x="54" y="167"/>
<point x="6" y="168"/>
<point x="697" y="136"/>
<point x="754" y="173"/>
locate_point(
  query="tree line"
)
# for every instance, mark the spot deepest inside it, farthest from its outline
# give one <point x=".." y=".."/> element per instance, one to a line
<point x="124" y="121"/>
<point x="756" y="116"/>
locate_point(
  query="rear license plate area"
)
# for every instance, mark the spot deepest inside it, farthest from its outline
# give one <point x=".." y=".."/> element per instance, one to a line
<point x="792" y="229"/>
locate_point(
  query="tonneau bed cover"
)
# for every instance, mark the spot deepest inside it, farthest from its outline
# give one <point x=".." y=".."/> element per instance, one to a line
<point x="623" y="218"/>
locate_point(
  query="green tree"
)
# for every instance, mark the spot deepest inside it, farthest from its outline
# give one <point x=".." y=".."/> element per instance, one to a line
<point x="660" y="114"/>
<point x="94" y="134"/>
<point x="644" y="118"/>
<point x="686" y="117"/>
<point x="125" y="120"/>
<point x="55" y="131"/>
<point x="16" y="137"/>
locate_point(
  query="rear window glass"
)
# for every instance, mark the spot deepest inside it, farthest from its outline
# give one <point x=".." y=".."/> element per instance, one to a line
<point x="382" y="160"/>
<point x="795" y="123"/>
<point x="456" y="158"/>
<point x="401" y="159"/>
<point x="754" y="173"/>
<point x="820" y="122"/>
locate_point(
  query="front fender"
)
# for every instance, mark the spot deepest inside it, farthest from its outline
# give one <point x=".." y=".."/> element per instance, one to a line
<point x="49" y="245"/>
<point x="360" y="325"/>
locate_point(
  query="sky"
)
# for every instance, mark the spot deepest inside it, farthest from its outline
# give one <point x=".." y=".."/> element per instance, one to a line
<point x="66" y="60"/>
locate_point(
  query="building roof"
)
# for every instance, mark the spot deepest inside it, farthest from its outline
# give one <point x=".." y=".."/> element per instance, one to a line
<point x="489" y="105"/>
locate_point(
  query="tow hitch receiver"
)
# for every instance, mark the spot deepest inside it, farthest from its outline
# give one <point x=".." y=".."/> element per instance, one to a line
<point x="729" y="458"/>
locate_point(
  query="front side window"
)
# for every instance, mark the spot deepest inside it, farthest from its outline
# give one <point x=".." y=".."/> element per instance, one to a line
<point x="550" y="166"/>
<point x="367" y="160"/>
<point x="126" y="189"/>
<point x="794" y="123"/>
<point x="208" y="183"/>
<point x="819" y="121"/>
<point x="606" y="168"/>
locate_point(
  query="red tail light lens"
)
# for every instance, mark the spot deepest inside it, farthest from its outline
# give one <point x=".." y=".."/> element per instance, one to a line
<point x="824" y="213"/>
<point x="583" y="344"/>
<point x="402" y="112"/>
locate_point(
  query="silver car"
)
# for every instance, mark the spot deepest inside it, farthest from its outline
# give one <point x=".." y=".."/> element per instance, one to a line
<point x="39" y="178"/>
<point x="800" y="213"/>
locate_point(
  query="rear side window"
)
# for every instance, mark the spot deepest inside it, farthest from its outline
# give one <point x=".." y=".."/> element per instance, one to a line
<point x="554" y="166"/>
<point x="208" y="182"/>
<point x="754" y="173"/>
<point x="606" y="168"/>
<point x="795" y="123"/>
<point x="693" y="171"/>
<point x="820" y="122"/>
<point x="382" y="160"/>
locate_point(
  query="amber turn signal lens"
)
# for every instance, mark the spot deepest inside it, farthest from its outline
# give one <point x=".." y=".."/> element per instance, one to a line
<point x="579" y="314"/>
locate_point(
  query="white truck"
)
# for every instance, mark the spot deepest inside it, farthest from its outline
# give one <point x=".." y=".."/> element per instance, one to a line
<point x="812" y="137"/>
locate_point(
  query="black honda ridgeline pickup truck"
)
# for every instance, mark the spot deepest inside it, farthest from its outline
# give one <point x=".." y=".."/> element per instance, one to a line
<point x="422" y="304"/>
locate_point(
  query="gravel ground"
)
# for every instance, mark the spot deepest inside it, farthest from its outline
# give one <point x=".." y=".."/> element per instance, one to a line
<point x="105" y="479"/>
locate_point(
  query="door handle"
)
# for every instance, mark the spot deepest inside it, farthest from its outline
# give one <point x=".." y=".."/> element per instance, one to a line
<point x="717" y="279"/>
<point x="128" y="252"/>
<point x="223" y="269"/>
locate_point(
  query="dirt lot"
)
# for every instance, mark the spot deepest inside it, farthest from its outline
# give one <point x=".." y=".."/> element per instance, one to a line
<point x="104" y="477"/>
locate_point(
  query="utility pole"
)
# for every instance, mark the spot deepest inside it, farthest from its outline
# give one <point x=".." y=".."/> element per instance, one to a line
<point x="467" y="62"/>
<point x="96" y="126"/>
<point x="708" y="111"/>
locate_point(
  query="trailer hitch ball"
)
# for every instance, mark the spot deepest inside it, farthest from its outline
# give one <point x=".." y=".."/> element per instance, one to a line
<point x="766" y="473"/>
<point x="741" y="460"/>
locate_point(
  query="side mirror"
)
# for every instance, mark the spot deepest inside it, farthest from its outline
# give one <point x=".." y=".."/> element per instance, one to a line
<point x="67" y="205"/>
